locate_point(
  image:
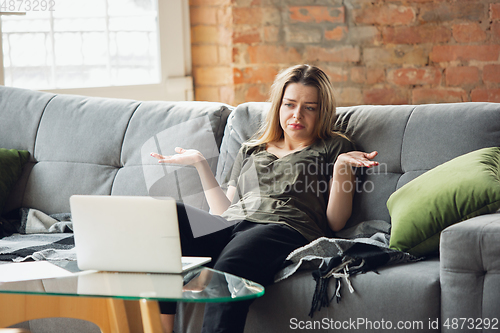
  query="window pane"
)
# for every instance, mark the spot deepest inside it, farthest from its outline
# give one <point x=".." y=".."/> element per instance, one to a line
<point x="83" y="43"/>
<point x="94" y="48"/>
<point x="68" y="49"/>
<point x="80" y="24"/>
<point x="130" y="7"/>
<point x="80" y="8"/>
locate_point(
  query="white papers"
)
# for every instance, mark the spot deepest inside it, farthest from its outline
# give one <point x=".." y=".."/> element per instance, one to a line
<point x="31" y="271"/>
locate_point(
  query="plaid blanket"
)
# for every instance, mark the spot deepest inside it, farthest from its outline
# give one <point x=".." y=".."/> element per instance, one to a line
<point x="39" y="236"/>
<point x="359" y="249"/>
<point x="22" y="247"/>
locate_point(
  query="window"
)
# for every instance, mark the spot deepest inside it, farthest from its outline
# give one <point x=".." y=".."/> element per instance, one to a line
<point x="115" y="48"/>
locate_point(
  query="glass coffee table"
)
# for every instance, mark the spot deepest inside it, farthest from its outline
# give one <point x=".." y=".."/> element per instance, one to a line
<point x="92" y="294"/>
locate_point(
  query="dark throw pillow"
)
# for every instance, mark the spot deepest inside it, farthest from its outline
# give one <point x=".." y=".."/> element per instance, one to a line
<point x="11" y="165"/>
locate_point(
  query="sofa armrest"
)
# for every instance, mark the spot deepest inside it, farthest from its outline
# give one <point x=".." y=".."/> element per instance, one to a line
<point x="470" y="272"/>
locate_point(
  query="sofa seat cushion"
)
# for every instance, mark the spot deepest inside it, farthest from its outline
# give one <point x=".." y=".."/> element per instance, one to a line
<point x="457" y="190"/>
<point x="385" y="295"/>
<point x="409" y="293"/>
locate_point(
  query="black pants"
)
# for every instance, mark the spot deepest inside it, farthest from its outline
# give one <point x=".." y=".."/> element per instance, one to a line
<point x="255" y="251"/>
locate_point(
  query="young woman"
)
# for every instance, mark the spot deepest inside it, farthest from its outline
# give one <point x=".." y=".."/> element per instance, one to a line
<point x="289" y="186"/>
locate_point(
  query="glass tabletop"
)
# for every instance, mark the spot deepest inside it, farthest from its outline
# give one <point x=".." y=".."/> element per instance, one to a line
<point x="198" y="285"/>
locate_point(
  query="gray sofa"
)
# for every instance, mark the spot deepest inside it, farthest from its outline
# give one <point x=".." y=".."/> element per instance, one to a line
<point x="82" y="145"/>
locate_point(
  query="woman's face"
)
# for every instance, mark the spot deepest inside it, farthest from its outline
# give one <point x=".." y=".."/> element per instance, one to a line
<point x="299" y="112"/>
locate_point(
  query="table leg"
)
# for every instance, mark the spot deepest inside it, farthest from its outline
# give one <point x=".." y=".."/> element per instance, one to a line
<point x="150" y="312"/>
<point x="118" y="316"/>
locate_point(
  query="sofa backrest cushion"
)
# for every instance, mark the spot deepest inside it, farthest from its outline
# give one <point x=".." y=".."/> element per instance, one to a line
<point x="410" y="140"/>
<point x="242" y="124"/>
<point x="84" y="145"/>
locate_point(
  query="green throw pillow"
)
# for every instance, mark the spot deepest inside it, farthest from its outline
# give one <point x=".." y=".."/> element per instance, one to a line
<point x="11" y="164"/>
<point x="464" y="187"/>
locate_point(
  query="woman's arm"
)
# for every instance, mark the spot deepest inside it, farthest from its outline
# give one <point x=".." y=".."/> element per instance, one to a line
<point x="217" y="200"/>
<point x="342" y="186"/>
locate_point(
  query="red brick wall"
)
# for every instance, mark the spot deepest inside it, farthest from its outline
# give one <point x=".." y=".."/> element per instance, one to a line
<point x="211" y="49"/>
<point x="375" y="51"/>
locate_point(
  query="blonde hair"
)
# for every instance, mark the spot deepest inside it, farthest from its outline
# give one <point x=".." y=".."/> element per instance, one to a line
<point x="309" y="76"/>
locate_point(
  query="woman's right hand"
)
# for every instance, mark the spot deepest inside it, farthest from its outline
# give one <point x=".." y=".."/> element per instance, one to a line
<point x="183" y="156"/>
<point x="216" y="198"/>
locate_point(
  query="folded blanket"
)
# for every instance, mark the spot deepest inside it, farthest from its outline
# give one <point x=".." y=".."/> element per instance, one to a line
<point x="54" y="246"/>
<point x="39" y="237"/>
<point x="34" y="221"/>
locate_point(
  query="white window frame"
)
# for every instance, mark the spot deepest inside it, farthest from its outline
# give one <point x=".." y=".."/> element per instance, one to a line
<point x="175" y="61"/>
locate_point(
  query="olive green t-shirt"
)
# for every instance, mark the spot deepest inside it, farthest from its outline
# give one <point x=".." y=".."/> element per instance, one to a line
<point x="293" y="189"/>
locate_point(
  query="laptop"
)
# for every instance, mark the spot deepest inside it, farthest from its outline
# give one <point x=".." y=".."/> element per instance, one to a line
<point x="128" y="234"/>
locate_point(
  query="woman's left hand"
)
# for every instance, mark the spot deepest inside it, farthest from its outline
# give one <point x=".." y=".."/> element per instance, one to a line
<point x="357" y="159"/>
